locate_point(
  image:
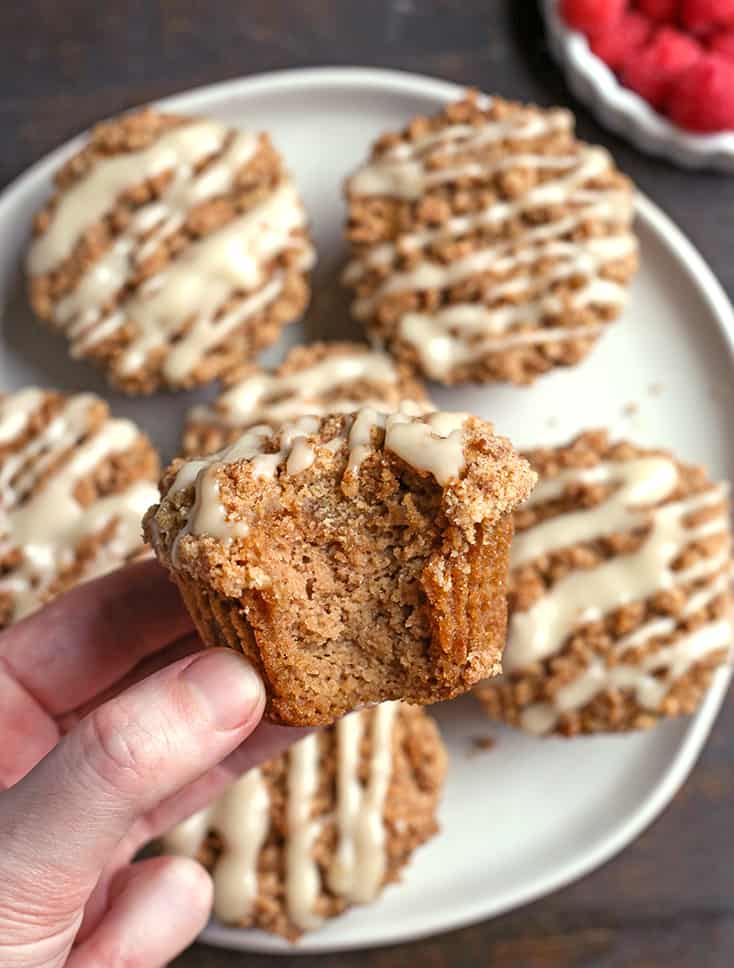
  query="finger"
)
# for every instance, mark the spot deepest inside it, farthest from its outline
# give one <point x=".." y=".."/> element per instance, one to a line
<point x="156" y="909"/>
<point x="27" y="731"/>
<point x="189" y="645"/>
<point x="87" y="639"/>
<point x="266" y="742"/>
<point x="123" y="759"/>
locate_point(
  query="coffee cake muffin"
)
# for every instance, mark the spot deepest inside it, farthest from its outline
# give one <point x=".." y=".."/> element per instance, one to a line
<point x="74" y="485"/>
<point x="317" y="379"/>
<point x="324" y="826"/>
<point x="488" y="243"/>
<point x="173" y="249"/>
<point x="353" y="558"/>
<point x="620" y="591"/>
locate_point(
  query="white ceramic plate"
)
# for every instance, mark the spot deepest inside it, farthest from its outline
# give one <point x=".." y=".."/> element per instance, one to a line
<point x="625" y="112"/>
<point x="530" y="815"/>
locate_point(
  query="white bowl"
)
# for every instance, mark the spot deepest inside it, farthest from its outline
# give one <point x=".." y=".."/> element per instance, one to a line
<point x="623" y="111"/>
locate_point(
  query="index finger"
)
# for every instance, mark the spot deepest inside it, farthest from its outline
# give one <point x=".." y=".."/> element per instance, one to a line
<point x="86" y="640"/>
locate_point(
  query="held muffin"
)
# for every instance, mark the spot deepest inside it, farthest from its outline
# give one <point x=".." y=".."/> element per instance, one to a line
<point x="488" y="243"/>
<point x="317" y="379"/>
<point x="620" y="591"/>
<point x="173" y="249"/>
<point x="75" y="484"/>
<point x="324" y="826"/>
<point x="353" y="558"/>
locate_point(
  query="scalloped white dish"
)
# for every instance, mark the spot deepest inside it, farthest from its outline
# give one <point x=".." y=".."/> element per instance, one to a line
<point x="623" y="111"/>
<point x="531" y="815"/>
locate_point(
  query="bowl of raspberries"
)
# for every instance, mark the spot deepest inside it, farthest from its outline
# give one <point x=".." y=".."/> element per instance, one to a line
<point x="658" y="72"/>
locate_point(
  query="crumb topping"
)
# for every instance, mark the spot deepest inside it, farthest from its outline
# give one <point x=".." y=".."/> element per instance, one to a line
<point x="433" y="443"/>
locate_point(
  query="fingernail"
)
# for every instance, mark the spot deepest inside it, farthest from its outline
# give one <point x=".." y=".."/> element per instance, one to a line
<point x="227" y="685"/>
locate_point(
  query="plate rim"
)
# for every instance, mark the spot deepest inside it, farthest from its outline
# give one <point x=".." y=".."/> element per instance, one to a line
<point x="697" y="272"/>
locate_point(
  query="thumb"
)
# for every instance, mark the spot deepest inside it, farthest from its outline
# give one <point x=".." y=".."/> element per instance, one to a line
<point x="64" y="819"/>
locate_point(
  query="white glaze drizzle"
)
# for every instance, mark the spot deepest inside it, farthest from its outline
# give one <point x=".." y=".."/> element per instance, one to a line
<point x="613" y="207"/>
<point x="194" y="286"/>
<point x="149" y="227"/>
<point x="267" y="398"/>
<point x="360" y="436"/>
<point x="639" y="486"/>
<point x="16" y="410"/>
<point x="43" y="518"/>
<point x="358" y="868"/>
<point x="541" y="630"/>
<point x="401" y="172"/>
<point x="303" y="881"/>
<point x="639" y="482"/>
<point x="241" y="818"/>
<point x="197" y="283"/>
<point x="570" y="259"/>
<point x="433" y="442"/>
<point x="459" y="333"/>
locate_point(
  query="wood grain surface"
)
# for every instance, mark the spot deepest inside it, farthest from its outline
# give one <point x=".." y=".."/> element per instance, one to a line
<point x="668" y="900"/>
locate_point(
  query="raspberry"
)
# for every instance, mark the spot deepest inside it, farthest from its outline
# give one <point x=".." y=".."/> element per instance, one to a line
<point x="651" y="71"/>
<point x="664" y="10"/>
<point x="723" y="43"/>
<point x="701" y="16"/>
<point x="702" y="97"/>
<point x="591" y="16"/>
<point x="615" y="44"/>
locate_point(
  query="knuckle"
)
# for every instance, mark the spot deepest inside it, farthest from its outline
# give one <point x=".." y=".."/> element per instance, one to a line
<point x="118" y="751"/>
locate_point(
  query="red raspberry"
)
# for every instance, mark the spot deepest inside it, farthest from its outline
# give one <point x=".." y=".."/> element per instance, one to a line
<point x="702" y="97"/>
<point x="651" y="71"/>
<point x="665" y="10"/>
<point x="703" y="15"/>
<point x="723" y="43"/>
<point x="614" y="45"/>
<point x="591" y="16"/>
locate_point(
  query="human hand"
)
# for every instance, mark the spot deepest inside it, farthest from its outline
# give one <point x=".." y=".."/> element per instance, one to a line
<point x="114" y="727"/>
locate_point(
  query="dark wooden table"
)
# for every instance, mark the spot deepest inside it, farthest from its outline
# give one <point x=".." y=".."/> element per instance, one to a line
<point x="669" y="898"/>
